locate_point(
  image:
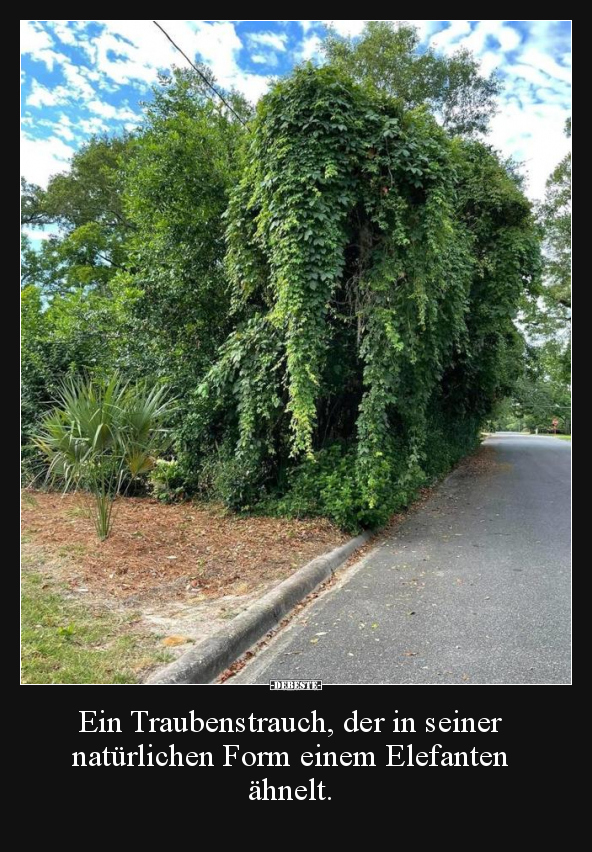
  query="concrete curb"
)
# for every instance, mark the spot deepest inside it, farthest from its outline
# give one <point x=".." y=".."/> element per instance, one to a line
<point x="208" y="659"/>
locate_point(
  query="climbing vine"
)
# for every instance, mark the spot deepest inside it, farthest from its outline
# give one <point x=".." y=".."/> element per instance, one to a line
<point x="376" y="266"/>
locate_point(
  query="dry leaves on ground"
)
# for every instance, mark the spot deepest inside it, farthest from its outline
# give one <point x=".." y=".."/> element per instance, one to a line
<point x="158" y="548"/>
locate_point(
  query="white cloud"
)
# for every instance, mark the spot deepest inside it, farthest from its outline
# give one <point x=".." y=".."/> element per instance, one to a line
<point x="63" y="128"/>
<point x="536" y="97"/>
<point x="92" y="125"/>
<point x="533" y="135"/>
<point x="38" y="235"/>
<point x="38" y="44"/>
<point x="483" y="32"/>
<point x="309" y="49"/>
<point x="41" y="158"/>
<point x="218" y="45"/>
<point x="537" y="59"/>
<point x="264" y="58"/>
<point x="123" y="62"/>
<point x="346" y="28"/>
<point x="277" y="41"/>
<point x="252" y="86"/>
<point x="490" y="61"/>
<point x="77" y="79"/>
<point x="34" y="38"/>
<point x="551" y="36"/>
<point x="425" y="28"/>
<point x="41" y="96"/>
<point x="66" y="34"/>
<point x="533" y="58"/>
<point x="134" y="51"/>
<point x="449" y="37"/>
<point x="111" y="112"/>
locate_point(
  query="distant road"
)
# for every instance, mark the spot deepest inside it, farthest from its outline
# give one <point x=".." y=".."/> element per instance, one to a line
<point x="474" y="587"/>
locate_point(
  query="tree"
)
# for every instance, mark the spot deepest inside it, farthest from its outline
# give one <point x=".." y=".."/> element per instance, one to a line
<point x="68" y="335"/>
<point x="86" y="205"/>
<point x="387" y="57"/>
<point x="377" y="268"/>
<point x="541" y="394"/>
<point x="183" y="164"/>
<point x="543" y="389"/>
<point x="556" y="218"/>
<point x="133" y="281"/>
<point x="330" y="293"/>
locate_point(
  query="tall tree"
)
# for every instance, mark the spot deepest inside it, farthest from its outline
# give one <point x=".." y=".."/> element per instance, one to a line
<point x="387" y="56"/>
<point x="74" y="318"/>
<point x="543" y="389"/>
<point x="85" y="204"/>
<point x="556" y="217"/>
<point x="183" y="164"/>
<point x="377" y="267"/>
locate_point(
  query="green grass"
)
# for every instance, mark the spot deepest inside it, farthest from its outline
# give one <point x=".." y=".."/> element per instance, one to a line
<point x="563" y="437"/>
<point x="68" y="641"/>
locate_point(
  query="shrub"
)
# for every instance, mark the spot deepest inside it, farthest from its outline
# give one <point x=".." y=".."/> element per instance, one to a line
<point x="166" y="481"/>
<point x="102" y="436"/>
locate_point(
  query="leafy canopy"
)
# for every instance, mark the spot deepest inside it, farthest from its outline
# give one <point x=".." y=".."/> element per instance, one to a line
<point x="377" y="266"/>
<point x="387" y="56"/>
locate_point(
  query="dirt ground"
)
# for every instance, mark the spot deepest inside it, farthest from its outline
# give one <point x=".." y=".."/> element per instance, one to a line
<point x="186" y="567"/>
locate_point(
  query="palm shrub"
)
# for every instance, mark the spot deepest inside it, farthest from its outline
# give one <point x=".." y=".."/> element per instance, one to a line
<point x="101" y="436"/>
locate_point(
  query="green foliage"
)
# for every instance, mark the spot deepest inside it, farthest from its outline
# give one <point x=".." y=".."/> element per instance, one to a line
<point x="543" y="389"/>
<point x="330" y="293"/>
<point x="556" y="216"/>
<point x="86" y="205"/>
<point x="134" y="280"/>
<point x="183" y="164"/>
<point x="377" y="267"/>
<point x="166" y="481"/>
<point x="101" y="436"/>
<point x="387" y="57"/>
<point x="542" y="392"/>
<point x="71" y="334"/>
<point x="75" y="315"/>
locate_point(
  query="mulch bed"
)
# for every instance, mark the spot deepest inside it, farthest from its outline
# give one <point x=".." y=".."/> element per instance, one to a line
<point x="185" y="546"/>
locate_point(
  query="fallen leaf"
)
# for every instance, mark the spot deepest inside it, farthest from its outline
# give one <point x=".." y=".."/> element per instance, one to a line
<point x="171" y="641"/>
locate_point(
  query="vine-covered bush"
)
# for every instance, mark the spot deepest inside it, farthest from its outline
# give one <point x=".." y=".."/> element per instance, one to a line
<point x="376" y="266"/>
<point x="166" y="481"/>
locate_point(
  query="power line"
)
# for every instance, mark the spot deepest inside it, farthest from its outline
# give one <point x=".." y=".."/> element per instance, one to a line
<point x="203" y="77"/>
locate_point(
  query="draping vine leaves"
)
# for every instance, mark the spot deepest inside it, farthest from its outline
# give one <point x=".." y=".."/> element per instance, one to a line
<point x="376" y="266"/>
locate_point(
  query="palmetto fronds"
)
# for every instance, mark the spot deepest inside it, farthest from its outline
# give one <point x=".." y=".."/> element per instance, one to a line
<point x="102" y="435"/>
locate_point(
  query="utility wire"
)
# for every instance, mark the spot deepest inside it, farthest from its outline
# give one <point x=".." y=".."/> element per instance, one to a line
<point x="203" y="77"/>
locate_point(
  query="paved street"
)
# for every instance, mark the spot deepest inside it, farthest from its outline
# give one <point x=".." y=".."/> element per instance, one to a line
<point x="474" y="587"/>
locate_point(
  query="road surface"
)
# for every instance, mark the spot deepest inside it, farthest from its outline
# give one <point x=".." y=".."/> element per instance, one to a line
<point x="472" y="588"/>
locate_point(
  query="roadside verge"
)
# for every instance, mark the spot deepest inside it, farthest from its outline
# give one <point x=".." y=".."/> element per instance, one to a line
<point x="211" y="657"/>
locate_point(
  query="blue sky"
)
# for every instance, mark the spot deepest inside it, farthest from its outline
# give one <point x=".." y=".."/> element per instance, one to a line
<point x="85" y="77"/>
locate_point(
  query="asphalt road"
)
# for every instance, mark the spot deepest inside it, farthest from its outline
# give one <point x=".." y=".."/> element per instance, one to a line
<point x="472" y="588"/>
